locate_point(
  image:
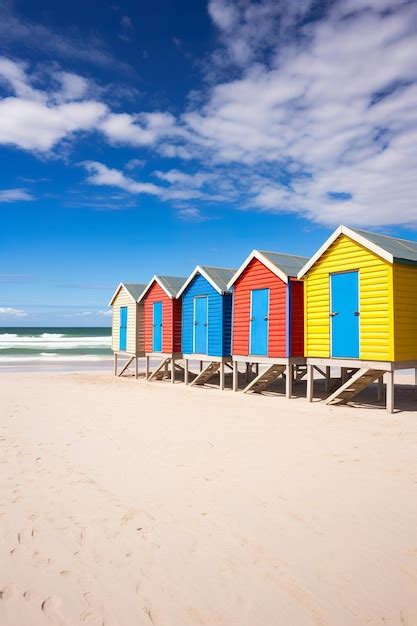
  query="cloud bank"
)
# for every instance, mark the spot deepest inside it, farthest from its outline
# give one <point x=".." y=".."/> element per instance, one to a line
<point x="319" y="120"/>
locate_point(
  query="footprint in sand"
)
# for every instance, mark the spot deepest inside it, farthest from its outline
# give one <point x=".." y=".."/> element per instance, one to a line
<point x="8" y="592"/>
<point x="50" y="607"/>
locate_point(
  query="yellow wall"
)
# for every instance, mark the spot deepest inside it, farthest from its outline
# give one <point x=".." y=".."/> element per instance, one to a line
<point x="405" y="312"/>
<point x="134" y="339"/>
<point x="375" y="300"/>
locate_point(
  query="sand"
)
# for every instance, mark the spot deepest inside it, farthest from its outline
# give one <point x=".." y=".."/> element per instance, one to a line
<point x="131" y="503"/>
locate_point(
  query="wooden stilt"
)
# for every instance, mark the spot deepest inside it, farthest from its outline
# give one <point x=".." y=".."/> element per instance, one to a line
<point x="186" y="371"/>
<point x="344" y="374"/>
<point x="222" y="375"/>
<point x="380" y="389"/>
<point x="390" y="392"/>
<point x="173" y="370"/>
<point x="115" y="363"/>
<point x="310" y="383"/>
<point x="201" y="366"/>
<point x="289" y="380"/>
<point x="166" y="369"/>
<point x="235" y="375"/>
<point x="136" y="368"/>
<point x="147" y="368"/>
<point x="248" y="368"/>
<point x="328" y="379"/>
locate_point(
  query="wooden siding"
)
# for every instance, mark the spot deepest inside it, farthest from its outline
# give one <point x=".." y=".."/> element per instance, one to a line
<point x="157" y="294"/>
<point x="257" y="276"/>
<point x="405" y="312"/>
<point x="134" y="337"/>
<point x="297" y="318"/>
<point x="199" y="286"/>
<point x="375" y="300"/>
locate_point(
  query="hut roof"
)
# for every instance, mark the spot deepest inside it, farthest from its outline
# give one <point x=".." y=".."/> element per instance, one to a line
<point x="133" y="289"/>
<point x="392" y="249"/>
<point x="170" y="284"/>
<point x="218" y="277"/>
<point x="283" y="265"/>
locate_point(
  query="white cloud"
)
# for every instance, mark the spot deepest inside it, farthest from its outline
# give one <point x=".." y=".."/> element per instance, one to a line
<point x="15" y="195"/>
<point x="333" y="114"/>
<point x="144" y="129"/>
<point x="100" y="174"/>
<point x="9" y="311"/>
<point x="104" y="313"/>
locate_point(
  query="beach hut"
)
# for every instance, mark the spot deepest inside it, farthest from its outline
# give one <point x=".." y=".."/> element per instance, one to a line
<point x="162" y="324"/>
<point x="127" y="325"/>
<point x="360" y="293"/>
<point x="207" y="321"/>
<point x="268" y="322"/>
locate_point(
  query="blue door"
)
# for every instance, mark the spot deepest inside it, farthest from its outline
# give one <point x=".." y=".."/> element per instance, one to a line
<point x="123" y="328"/>
<point x="200" y="324"/>
<point x="157" y="327"/>
<point x="259" y="322"/>
<point x="344" y="314"/>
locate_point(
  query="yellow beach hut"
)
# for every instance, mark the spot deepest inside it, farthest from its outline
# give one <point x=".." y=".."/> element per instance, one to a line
<point x="360" y="299"/>
<point x="127" y="325"/>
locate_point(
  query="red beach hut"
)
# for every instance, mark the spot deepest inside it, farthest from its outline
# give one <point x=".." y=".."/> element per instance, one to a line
<point x="162" y="324"/>
<point x="268" y="318"/>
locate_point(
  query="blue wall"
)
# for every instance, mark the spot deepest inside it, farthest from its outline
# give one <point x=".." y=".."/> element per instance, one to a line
<point x="219" y="317"/>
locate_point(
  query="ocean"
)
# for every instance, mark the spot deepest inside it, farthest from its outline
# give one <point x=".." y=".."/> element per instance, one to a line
<point x="51" y="347"/>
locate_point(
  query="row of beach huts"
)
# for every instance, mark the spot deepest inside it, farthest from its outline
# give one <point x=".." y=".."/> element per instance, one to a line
<point x="352" y="305"/>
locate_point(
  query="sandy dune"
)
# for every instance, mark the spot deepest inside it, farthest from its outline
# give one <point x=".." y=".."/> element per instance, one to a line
<point x="130" y="503"/>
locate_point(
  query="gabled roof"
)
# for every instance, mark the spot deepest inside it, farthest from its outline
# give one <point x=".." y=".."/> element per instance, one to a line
<point x="218" y="277"/>
<point x="282" y="265"/>
<point x="133" y="289"/>
<point x="391" y="249"/>
<point x="170" y="284"/>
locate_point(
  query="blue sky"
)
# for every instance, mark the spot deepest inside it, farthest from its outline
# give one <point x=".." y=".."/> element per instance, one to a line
<point x="146" y="137"/>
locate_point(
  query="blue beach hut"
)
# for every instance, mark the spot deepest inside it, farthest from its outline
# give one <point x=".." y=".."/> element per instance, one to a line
<point x="207" y="321"/>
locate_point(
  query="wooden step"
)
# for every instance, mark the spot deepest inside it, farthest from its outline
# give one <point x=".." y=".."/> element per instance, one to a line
<point x="358" y="382"/>
<point x="159" y="373"/>
<point x="207" y="373"/>
<point x="300" y="372"/>
<point x="265" y="378"/>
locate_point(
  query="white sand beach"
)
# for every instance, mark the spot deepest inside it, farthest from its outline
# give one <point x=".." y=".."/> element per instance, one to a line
<point x="126" y="503"/>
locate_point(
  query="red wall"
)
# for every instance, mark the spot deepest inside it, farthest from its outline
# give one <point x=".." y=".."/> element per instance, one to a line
<point x="257" y="276"/>
<point x="297" y="318"/>
<point x="171" y="320"/>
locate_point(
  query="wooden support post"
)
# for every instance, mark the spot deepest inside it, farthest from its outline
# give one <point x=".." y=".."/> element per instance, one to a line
<point x="289" y="370"/>
<point x="186" y="371"/>
<point x="147" y="368"/>
<point x="201" y="366"/>
<point x="344" y="374"/>
<point x="166" y="369"/>
<point x="248" y="367"/>
<point x="390" y="392"/>
<point x="310" y="383"/>
<point x="136" y="368"/>
<point x="115" y="363"/>
<point x="257" y="369"/>
<point x="173" y="370"/>
<point x="235" y="375"/>
<point x="222" y="375"/>
<point x="328" y="379"/>
<point x="380" y="388"/>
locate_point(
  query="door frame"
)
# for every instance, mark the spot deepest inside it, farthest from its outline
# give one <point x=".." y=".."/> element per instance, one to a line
<point x="162" y="324"/>
<point x="250" y="353"/>
<point x="207" y="317"/>
<point x="356" y="271"/>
